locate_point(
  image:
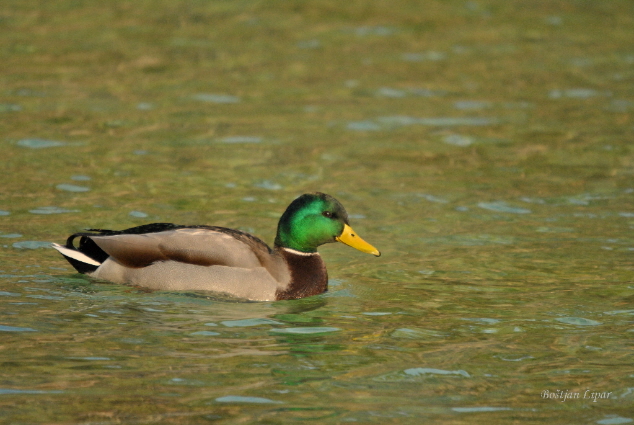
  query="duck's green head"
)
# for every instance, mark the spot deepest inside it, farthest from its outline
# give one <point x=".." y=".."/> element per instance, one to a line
<point x="314" y="219"/>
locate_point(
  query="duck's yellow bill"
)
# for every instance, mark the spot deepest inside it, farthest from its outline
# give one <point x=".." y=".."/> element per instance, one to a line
<point x="350" y="238"/>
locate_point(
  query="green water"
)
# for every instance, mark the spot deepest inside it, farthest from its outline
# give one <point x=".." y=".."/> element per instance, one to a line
<point x="484" y="147"/>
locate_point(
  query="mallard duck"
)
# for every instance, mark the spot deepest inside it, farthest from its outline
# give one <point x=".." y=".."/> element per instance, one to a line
<point x="165" y="256"/>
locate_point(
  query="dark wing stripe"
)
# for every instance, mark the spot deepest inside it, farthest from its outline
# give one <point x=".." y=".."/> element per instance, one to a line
<point x="87" y="246"/>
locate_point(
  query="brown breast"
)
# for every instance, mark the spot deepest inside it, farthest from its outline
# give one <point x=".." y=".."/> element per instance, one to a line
<point x="308" y="275"/>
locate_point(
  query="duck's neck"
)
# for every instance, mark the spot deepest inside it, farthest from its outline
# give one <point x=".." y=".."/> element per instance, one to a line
<point x="308" y="274"/>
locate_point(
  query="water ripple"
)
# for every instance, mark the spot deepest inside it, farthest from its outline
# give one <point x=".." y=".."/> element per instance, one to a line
<point x="39" y="143"/>
<point x="31" y="245"/>
<point x="249" y="322"/>
<point x="72" y="188"/>
<point x="241" y="139"/>
<point x="51" y="210"/>
<point x="501" y="206"/>
<point x="4" y="328"/>
<point x="216" y="98"/>
<point x="418" y="371"/>
<point x="15" y="391"/>
<point x="479" y="409"/>
<point x="307" y="330"/>
<point x="242" y="399"/>
<point x="578" y="321"/>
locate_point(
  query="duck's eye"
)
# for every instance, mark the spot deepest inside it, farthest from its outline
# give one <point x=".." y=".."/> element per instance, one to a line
<point x="327" y="214"/>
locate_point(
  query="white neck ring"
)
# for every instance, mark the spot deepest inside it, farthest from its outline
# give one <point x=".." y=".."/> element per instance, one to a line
<point x="303" y="254"/>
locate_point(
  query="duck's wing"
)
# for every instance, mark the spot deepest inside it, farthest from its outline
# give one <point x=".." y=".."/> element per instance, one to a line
<point x="171" y="257"/>
<point x="203" y="246"/>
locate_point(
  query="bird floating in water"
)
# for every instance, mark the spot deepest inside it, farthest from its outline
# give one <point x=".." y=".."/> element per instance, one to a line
<point x="165" y="256"/>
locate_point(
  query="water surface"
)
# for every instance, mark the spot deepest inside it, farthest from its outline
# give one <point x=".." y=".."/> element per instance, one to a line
<point x="483" y="147"/>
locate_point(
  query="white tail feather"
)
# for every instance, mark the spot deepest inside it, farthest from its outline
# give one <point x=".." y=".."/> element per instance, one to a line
<point x="76" y="255"/>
